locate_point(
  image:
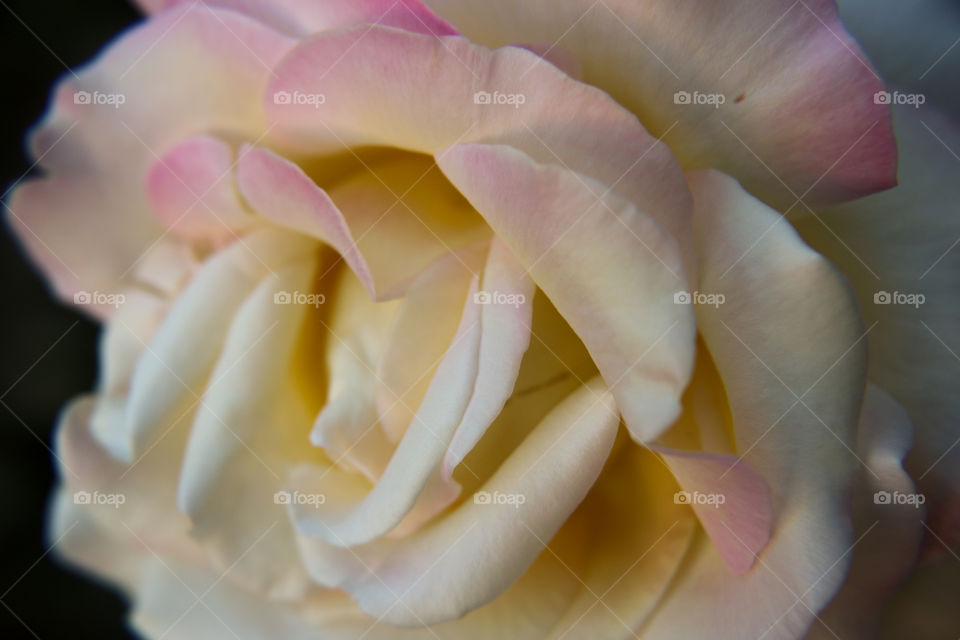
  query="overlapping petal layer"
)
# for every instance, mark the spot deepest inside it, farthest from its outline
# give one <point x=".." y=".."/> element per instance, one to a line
<point x="798" y="117"/>
<point x="791" y="423"/>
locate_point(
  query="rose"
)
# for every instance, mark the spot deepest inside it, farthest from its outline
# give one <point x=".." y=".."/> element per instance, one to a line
<point x="908" y="352"/>
<point x="416" y="393"/>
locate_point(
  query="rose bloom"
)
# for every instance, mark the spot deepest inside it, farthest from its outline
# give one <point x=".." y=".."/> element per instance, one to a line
<point x="498" y="320"/>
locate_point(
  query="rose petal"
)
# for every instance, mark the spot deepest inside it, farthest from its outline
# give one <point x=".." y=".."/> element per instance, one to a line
<point x="124" y="340"/>
<point x="553" y="119"/>
<point x="172" y="372"/>
<point x="348" y="427"/>
<point x="789" y="326"/>
<point x="75" y="536"/>
<point x="903" y="241"/>
<point x="783" y="67"/>
<point x="425" y="326"/>
<point x="740" y="526"/>
<point x="368" y="221"/>
<point x="147" y="508"/>
<point x="167" y="605"/>
<point x="167" y="267"/>
<point x="88" y="223"/>
<point x="191" y="188"/>
<point x="629" y="562"/>
<point x="505" y="335"/>
<point x="280" y="191"/>
<point x="558" y="57"/>
<point x="553" y="469"/>
<point x="418" y="454"/>
<point x="888" y="533"/>
<point x="555" y="366"/>
<point x="610" y="270"/>
<point x="248" y="430"/>
<point x="303" y="17"/>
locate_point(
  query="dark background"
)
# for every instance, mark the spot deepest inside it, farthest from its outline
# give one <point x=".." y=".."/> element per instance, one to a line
<point x="47" y="351"/>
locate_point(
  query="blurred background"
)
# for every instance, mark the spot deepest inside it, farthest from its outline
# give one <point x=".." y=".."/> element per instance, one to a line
<point x="48" y="350"/>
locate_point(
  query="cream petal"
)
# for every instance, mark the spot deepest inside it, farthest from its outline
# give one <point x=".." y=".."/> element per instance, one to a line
<point x="888" y="533"/>
<point x="418" y="454"/>
<point x="788" y="325"/>
<point x="505" y="336"/>
<point x="75" y="536"/>
<point x="347" y="426"/>
<point x="280" y="191"/>
<point x="183" y="601"/>
<point x="424" y="328"/>
<point x="89" y="222"/>
<point x="139" y="499"/>
<point x="167" y="267"/>
<point x="124" y="340"/>
<point x="731" y="499"/>
<point x="903" y="242"/>
<point x="405" y="216"/>
<point x="782" y="68"/>
<point x="633" y="557"/>
<point x="248" y="430"/>
<point x="191" y="188"/>
<point x="172" y="371"/>
<point x="552" y="118"/>
<point x="737" y="513"/>
<point x="303" y="17"/>
<point x="167" y="605"/>
<point x="610" y="270"/>
<point x="553" y="470"/>
<point x="365" y="220"/>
